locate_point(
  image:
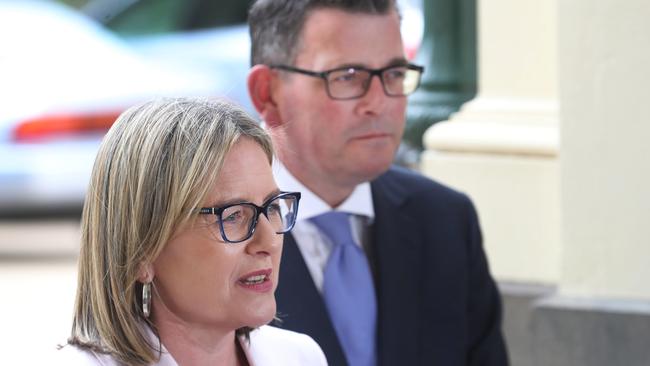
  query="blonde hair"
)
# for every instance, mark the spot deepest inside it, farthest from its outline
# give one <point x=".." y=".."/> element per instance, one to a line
<point x="154" y="168"/>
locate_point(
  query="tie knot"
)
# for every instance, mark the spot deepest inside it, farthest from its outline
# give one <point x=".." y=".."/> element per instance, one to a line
<point x="336" y="225"/>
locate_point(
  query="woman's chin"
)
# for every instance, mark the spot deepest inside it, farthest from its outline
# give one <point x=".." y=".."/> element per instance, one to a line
<point x="261" y="315"/>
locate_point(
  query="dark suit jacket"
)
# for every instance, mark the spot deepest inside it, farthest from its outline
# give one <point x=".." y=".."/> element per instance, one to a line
<point x="437" y="303"/>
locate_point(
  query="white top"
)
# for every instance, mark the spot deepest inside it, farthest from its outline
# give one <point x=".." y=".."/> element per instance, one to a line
<point x="314" y="245"/>
<point x="269" y="346"/>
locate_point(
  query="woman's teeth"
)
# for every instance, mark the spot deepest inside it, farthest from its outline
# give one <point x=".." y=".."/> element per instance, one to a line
<point x="254" y="279"/>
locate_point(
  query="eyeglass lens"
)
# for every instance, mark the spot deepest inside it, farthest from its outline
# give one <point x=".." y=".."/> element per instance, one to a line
<point x="351" y="82"/>
<point x="238" y="221"/>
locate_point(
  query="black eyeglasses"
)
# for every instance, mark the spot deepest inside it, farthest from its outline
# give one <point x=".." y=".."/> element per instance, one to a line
<point x="353" y="82"/>
<point x="237" y="221"/>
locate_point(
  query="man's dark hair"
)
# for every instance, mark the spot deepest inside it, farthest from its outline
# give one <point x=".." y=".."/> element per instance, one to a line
<point x="276" y="25"/>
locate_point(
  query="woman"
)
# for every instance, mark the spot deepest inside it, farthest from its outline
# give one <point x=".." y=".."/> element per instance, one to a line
<point x="181" y="241"/>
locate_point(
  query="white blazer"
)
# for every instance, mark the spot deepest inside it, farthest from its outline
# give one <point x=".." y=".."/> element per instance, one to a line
<point x="268" y="346"/>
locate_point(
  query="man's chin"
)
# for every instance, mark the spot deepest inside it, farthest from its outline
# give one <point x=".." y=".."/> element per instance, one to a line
<point x="372" y="168"/>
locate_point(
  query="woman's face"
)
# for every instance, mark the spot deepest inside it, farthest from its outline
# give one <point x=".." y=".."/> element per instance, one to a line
<point x="201" y="280"/>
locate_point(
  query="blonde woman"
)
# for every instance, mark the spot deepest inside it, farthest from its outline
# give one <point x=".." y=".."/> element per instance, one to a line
<point x="182" y="233"/>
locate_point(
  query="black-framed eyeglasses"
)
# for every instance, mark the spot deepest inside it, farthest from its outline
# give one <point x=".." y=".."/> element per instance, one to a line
<point x="237" y="221"/>
<point x="353" y="82"/>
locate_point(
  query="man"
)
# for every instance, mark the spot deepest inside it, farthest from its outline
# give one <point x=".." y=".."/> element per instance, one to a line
<point x="330" y="80"/>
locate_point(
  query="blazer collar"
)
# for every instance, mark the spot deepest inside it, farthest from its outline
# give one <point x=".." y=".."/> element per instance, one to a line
<point x="396" y="254"/>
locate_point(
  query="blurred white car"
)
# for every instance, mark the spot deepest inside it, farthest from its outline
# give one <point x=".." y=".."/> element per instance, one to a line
<point x="64" y="78"/>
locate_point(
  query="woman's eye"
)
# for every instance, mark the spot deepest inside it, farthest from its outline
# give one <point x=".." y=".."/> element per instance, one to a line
<point x="274" y="208"/>
<point x="231" y="217"/>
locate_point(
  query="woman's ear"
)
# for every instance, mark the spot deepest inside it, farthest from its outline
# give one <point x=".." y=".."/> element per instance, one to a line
<point x="260" y="90"/>
<point x="146" y="273"/>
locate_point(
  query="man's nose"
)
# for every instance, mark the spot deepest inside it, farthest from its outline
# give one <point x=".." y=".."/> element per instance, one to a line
<point x="373" y="99"/>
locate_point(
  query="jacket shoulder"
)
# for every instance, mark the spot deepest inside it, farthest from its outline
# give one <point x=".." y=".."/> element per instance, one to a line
<point x="402" y="185"/>
<point x="274" y="346"/>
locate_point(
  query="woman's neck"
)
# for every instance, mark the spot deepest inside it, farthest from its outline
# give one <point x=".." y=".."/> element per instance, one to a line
<point x="196" y="343"/>
<point x="200" y="346"/>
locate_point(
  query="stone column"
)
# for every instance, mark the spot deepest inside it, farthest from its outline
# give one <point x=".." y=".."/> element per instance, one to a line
<point x="601" y="313"/>
<point x="502" y="147"/>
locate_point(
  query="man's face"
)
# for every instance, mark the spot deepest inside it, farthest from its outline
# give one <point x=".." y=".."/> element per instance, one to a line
<point x="345" y="142"/>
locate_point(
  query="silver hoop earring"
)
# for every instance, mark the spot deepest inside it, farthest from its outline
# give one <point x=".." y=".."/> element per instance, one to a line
<point x="146" y="299"/>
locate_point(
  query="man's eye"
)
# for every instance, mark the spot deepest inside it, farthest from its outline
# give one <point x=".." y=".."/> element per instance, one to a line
<point x="344" y="76"/>
<point x="395" y="73"/>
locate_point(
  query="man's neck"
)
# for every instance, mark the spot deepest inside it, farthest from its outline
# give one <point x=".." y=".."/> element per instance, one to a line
<point x="331" y="192"/>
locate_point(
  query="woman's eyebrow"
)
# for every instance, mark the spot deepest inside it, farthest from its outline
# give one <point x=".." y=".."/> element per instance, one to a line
<point x="237" y="200"/>
<point x="275" y="192"/>
<point x="221" y="203"/>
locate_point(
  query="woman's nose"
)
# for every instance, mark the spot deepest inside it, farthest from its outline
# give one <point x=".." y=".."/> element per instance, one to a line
<point x="264" y="239"/>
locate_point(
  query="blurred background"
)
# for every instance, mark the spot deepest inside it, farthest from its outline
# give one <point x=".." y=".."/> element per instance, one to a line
<point x="537" y="110"/>
<point x="68" y="68"/>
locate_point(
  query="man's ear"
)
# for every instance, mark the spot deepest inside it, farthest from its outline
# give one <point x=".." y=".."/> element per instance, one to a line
<point x="146" y="273"/>
<point x="260" y="90"/>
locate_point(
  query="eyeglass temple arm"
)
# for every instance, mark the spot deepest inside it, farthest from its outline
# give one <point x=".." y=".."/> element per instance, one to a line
<point x="300" y="71"/>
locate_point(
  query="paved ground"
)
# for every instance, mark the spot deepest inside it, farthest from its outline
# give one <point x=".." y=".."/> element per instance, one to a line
<point x="37" y="287"/>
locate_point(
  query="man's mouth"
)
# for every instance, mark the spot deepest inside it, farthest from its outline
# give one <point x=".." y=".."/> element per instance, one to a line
<point x="372" y="135"/>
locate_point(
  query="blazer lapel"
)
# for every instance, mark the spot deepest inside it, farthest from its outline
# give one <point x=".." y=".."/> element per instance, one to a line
<point x="395" y="251"/>
<point x="300" y="305"/>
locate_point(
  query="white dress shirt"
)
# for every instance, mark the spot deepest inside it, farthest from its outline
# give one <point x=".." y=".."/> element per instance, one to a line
<point x="315" y="246"/>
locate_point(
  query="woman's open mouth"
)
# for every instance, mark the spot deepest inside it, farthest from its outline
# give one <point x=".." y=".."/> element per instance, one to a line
<point x="259" y="281"/>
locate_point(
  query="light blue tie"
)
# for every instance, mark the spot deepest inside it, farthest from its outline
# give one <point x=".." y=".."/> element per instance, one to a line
<point x="349" y="291"/>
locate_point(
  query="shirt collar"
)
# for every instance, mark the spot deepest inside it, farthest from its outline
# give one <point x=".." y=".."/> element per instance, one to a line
<point x="358" y="203"/>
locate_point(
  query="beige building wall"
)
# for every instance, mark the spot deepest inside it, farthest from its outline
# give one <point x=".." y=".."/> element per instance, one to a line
<point x="502" y="147"/>
<point x="605" y="97"/>
<point x="571" y="211"/>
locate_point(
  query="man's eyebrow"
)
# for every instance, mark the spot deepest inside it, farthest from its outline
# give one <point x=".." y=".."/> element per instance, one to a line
<point x="348" y="65"/>
<point x="397" y="61"/>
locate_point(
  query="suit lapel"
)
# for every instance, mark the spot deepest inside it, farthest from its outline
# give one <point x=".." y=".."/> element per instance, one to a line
<point x="300" y="306"/>
<point x="396" y="254"/>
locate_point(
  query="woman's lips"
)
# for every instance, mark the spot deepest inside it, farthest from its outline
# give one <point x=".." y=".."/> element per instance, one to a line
<point x="258" y="281"/>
